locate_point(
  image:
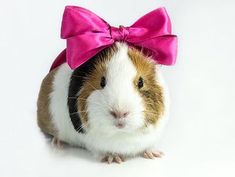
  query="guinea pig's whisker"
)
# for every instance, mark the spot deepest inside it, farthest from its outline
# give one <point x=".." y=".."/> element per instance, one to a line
<point x="100" y="93"/>
<point x="91" y="85"/>
<point x="92" y="101"/>
<point x="81" y="99"/>
<point x="151" y="112"/>
<point x="85" y="100"/>
<point x="73" y="113"/>
<point x="72" y="97"/>
<point x="101" y="105"/>
<point x="81" y="127"/>
<point x="149" y="103"/>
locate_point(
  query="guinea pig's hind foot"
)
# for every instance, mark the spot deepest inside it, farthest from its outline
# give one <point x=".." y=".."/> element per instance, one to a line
<point x="112" y="159"/>
<point x="149" y="154"/>
<point x="56" y="142"/>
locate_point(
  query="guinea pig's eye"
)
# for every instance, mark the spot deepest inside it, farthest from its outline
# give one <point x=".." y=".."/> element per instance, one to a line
<point x="103" y="82"/>
<point x="140" y="83"/>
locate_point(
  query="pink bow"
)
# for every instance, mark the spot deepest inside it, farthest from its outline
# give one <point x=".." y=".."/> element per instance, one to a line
<point x="87" y="34"/>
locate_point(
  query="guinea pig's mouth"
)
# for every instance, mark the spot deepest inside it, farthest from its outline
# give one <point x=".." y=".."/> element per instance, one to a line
<point x="120" y="124"/>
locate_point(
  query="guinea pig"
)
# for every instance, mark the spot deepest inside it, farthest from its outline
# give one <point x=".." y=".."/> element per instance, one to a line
<point x="115" y="105"/>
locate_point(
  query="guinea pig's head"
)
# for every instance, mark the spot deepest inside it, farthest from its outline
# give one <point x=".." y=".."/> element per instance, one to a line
<point x="121" y="91"/>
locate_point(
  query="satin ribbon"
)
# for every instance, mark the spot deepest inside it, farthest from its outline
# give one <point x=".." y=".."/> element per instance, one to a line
<point x="87" y="34"/>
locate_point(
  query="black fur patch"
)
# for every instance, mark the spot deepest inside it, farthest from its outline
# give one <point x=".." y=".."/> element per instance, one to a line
<point x="76" y="83"/>
<point x="77" y="80"/>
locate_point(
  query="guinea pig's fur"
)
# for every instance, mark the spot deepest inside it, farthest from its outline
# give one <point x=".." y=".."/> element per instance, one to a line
<point x="82" y="106"/>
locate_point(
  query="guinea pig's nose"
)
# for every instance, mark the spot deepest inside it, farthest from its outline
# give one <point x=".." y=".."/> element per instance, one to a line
<point x="119" y="114"/>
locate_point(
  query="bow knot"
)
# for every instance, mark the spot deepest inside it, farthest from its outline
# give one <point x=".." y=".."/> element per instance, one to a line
<point x="119" y="34"/>
<point x="87" y="34"/>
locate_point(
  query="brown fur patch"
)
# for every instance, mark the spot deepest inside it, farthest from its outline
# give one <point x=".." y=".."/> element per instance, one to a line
<point x="151" y="92"/>
<point x="92" y="81"/>
<point x="43" y="114"/>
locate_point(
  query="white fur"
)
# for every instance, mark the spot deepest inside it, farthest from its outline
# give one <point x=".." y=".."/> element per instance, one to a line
<point x="58" y="106"/>
<point x="102" y="136"/>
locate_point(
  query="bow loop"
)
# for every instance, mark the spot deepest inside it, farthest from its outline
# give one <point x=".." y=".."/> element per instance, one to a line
<point x="77" y="21"/>
<point x="87" y="34"/>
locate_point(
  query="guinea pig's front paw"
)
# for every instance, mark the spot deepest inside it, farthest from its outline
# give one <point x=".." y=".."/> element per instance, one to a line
<point x="112" y="158"/>
<point x="55" y="142"/>
<point x="151" y="154"/>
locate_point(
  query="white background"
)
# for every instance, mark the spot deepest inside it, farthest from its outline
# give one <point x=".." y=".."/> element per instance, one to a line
<point x="200" y="137"/>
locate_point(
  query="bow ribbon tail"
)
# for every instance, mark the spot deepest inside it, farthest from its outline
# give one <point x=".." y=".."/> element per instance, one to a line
<point x="60" y="59"/>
